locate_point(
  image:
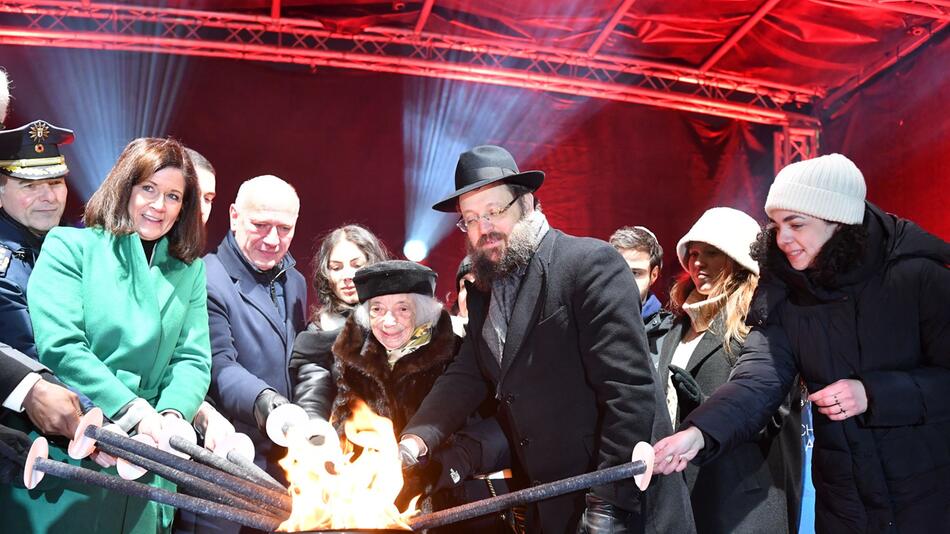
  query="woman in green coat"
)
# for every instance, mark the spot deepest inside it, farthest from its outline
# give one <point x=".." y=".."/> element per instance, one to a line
<point x="119" y="312"/>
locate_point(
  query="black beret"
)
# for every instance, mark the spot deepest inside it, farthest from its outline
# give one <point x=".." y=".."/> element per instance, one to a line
<point x="394" y="277"/>
<point x="31" y="152"/>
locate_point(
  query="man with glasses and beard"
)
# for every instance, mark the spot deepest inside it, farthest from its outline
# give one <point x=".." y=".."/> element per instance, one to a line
<point x="555" y="338"/>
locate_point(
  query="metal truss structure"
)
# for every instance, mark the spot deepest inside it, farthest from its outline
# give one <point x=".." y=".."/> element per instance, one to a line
<point x="794" y="144"/>
<point x="413" y="51"/>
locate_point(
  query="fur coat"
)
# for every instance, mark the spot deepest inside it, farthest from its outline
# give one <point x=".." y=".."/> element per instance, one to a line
<point x="362" y="372"/>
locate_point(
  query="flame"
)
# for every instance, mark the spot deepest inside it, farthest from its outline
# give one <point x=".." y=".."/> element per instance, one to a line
<point x="333" y="488"/>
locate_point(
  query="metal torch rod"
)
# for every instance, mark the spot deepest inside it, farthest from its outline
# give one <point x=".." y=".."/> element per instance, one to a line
<point x="528" y="495"/>
<point x="208" y="458"/>
<point x="240" y="460"/>
<point x="241" y="487"/>
<point x="192" y="484"/>
<point x="163" y="496"/>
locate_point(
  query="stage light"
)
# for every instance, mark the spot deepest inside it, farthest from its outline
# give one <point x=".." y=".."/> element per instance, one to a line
<point x="415" y="250"/>
<point x="108" y="99"/>
<point x="443" y="118"/>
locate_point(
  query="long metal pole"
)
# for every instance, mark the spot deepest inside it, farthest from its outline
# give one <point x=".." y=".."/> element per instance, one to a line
<point x="192" y="484"/>
<point x="528" y="495"/>
<point x="144" y="491"/>
<point x="208" y="458"/>
<point x="229" y="482"/>
<point x="238" y="459"/>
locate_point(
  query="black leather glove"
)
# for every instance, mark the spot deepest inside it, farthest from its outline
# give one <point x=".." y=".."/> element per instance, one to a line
<point x="265" y="403"/>
<point x="601" y="517"/>
<point x="456" y="461"/>
<point x="688" y="392"/>
<point x="13" y="448"/>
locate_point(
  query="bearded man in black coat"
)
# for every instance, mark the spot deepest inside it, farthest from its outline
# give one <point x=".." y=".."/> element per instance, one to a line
<point x="554" y="336"/>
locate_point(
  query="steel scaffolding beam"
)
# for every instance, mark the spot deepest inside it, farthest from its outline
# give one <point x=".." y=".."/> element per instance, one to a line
<point x="72" y="24"/>
<point x="609" y="27"/>
<point x="794" y="144"/>
<point x="738" y="34"/>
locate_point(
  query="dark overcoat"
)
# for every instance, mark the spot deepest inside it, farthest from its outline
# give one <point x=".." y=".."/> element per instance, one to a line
<point x="18" y="252"/>
<point x="756" y="487"/>
<point x="250" y="343"/>
<point x="575" y="383"/>
<point x="885" y="323"/>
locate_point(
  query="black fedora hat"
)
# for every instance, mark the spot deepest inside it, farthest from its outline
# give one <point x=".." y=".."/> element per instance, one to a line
<point x="484" y="165"/>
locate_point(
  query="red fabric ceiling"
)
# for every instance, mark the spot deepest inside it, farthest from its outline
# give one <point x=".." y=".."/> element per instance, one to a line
<point x="807" y="43"/>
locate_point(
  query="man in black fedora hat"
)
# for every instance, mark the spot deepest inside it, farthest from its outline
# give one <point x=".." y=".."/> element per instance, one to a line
<point x="555" y="338"/>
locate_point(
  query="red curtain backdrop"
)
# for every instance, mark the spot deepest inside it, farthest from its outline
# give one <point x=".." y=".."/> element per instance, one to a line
<point x="337" y="136"/>
<point x="897" y="130"/>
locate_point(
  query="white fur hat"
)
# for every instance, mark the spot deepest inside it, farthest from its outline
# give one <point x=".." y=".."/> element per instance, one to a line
<point x="730" y="230"/>
<point x="828" y="187"/>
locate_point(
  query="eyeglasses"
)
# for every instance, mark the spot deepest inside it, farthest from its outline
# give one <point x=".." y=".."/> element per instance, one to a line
<point x="377" y="312"/>
<point x="468" y="223"/>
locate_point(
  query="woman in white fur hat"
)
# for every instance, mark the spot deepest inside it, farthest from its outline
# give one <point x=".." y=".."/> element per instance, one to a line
<point x="855" y="300"/>
<point x="754" y="487"/>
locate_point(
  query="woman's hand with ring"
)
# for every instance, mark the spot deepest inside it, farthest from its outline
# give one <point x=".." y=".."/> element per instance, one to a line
<point x="841" y="400"/>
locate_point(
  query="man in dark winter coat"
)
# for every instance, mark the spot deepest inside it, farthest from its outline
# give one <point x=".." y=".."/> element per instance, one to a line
<point x="644" y="255"/>
<point x="863" y="316"/>
<point x="553" y="337"/>
<point x="256" y="306"/>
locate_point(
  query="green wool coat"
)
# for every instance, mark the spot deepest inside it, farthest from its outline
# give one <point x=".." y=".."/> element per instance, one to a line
<point x="115" y="327"/>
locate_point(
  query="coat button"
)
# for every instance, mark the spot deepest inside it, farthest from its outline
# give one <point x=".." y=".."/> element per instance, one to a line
<point x="524" y="442"/>
<point x="509" y="399"/>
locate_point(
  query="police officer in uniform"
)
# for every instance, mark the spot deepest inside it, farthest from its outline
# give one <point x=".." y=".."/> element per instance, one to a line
<point x="32" y="199"/>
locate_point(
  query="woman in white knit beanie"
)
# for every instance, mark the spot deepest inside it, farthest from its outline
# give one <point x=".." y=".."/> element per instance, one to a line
<point x="854" y="301"/>
<point x="745" y="490"/>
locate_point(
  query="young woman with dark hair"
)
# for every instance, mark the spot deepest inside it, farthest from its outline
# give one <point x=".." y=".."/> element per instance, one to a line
<point x="855" y="300"/>
<point x="342" y="252"/>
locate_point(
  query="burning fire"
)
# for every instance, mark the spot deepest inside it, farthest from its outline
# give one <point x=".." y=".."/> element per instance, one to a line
<point x="332" y="490"/>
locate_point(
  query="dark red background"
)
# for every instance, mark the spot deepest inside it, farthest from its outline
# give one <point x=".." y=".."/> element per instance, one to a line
<point x="337" y="137"/>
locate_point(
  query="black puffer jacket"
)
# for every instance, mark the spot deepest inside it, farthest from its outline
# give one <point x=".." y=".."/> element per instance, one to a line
<point x="311" y="365"/>
<point x="885" y="323"/>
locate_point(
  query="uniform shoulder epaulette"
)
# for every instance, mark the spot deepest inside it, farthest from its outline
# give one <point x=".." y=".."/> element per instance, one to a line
<point x="6" y="254"/>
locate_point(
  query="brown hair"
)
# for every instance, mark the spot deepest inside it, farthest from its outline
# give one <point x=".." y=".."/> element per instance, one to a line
<point x="108" y="208"/>
<point x="364" y="240"/>
<point x="738" y="284"/>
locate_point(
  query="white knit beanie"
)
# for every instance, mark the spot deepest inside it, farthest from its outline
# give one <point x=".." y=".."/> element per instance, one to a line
<point x="828" y="187"/>
<point x="730" y="230"/>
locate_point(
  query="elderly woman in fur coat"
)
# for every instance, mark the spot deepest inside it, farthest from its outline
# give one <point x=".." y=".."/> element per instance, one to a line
<point x="394" y="345"/>
<point x="390" y="352"/>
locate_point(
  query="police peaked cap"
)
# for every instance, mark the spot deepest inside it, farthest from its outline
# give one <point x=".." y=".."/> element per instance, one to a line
<point x="31" y="152"/>
<point x="394" y="277"/>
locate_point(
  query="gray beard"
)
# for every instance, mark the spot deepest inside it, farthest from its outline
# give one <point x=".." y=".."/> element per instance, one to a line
<point x="520" y="246"/>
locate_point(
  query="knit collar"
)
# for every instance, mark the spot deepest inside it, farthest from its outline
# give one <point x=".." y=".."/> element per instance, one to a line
<point x="702" y="311"/>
